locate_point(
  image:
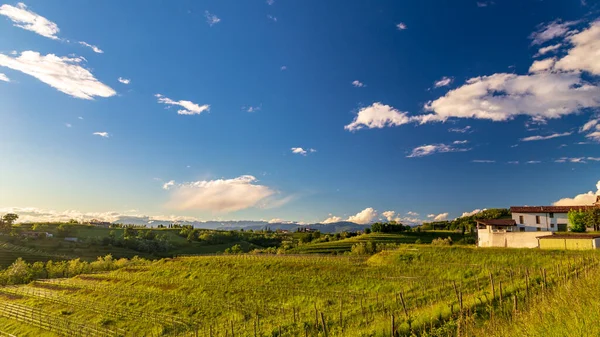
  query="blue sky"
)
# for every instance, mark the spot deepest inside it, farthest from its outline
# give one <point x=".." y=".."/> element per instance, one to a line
<point x="297" y="110"/>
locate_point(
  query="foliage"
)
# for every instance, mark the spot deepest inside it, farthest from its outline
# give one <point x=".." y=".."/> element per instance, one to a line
<point x="592" y="218"/>
<point x="467" y="223"/>
<point x="577" y="221"/>
<point x="7" y="221"/>
<point x="442" y="242"/>
<point x="389" y="227"/>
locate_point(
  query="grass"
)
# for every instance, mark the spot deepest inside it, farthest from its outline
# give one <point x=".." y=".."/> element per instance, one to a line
<point x="345" y="245"/>
<point x="284" y="295"/>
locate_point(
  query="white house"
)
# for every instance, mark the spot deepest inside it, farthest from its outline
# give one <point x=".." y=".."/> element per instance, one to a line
<point x="527" y="221"/>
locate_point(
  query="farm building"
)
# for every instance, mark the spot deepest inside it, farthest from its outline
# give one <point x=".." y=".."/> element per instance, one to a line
<point x="522" y="231"/>
<point x="569" y="241"/>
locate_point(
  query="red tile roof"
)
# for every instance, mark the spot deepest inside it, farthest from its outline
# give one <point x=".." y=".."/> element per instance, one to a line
<point x="570" y="236"/>
<point x="497" y="222"/>
<point x="547" y="209"/>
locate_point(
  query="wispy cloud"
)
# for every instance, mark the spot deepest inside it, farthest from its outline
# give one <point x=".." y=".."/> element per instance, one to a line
<point x="189" y="108"/>
<point x="358" y="84"/>
<point x="426" y="150"/>
<point x="168" y="184"/>
<point x="533" y="162"/>
<point x="482" y="4"/>
<point x="483" y="161"/>
<point x="445" y="81"/>
<point x="270" y="2"/>
<point x="252" y="108"/>
<point x="101" y="134"/>
<point x="28" y="20"/>
<point x="4" y="78"/>
<point x="301" y="151"/>
<point x="62" y="73"/>
<point x="92" y="47"/>
<point x="552" y="30"/>
<point x="68" y="125"/>
<point x="578" y="160"/>
<point x="401" y="26"/>
<point x="548" y="49"/>
<point x="457" y="142"/>
<point x="124" y="80"/>
<point x="283" y="68"/>
<point x="272" y="18"/>
<point x="461" y="130"/>
<point x="538" y="137"/>
<point x="211" y="19"/>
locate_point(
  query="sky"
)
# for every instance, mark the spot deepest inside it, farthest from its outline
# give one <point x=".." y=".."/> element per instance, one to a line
<point x="306" y="111"/>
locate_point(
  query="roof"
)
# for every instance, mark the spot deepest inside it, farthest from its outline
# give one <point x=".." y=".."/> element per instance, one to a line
<point x="497" y="222"/>
<point x="548" y="209"/>
<point x="570" y="236"/>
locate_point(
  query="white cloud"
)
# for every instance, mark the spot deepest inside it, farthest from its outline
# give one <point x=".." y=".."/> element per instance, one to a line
<point x="482" y="4"/>
<point x="62" y="73"/>
<point x="551" y="31"/>
<point x="94" y="48"/>
<point x="252" y="108"/>
<point x="101" y="134"/>
<point x="68" y="125"/>
<point x="459" y="130"/>
<point x="473" y="212"/>
<point x="4" y="78"/>
<point x="332" y="219"/>
<point x="533" y="162"/>
<point x="301" y="151"/>
<point x="554" y="135"/>
<point x="33" y="214"/>
<point x="590" y="125"/>
<point x="270" y="2"/>
<point x="211" y="19"/>
<point x="389" y="215"/>
<point x="377" y="115"/>
<point x="581" y="199"/>
<point x="445" y="81"/>
<point x="483" y="161"/>
<point x="28" y="20"/>
<point x="401" y="26"/>
<point x="502" y="96"/>
<point x="124" y="80"/>
<point x="221" y="195"/>
<point x="545" y="50"/>
<point x="412" y="213"/>
<point x="189" y="108"/>
<point x="514" y="162"/>
<point x="358" y="84"/>
<point x="456" y="142"/>
<point x="579" y="160"/>
<point x="438" y="217"/>
<point x="168" y="184"/>
<point x="79" y="117"/>
<point x="364" y="217"/>
<point x="273" y="18"/>
<point x="426" y="150"/>
<point x="585" y="54"/>
<point x="542" y="65"/>
<point x="283" y="68"/>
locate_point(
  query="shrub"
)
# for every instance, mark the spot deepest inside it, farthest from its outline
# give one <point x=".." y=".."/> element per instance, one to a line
<point x="442" y="242"/>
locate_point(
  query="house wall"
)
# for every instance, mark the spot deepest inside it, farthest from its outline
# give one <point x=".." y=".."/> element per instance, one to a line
<point x="569" y="244"/>
<point x="507" y="239"/>
<point x="546" y="223"/>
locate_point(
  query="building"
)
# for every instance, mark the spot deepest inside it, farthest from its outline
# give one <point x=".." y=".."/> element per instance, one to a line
<point x="569" y="241"/>
<point x="504" y="233"/>
<point x="544" y="218"/>
<point x="522" y="231"/>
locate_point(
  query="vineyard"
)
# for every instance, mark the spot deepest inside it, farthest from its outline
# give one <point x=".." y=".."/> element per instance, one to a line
<point x="9" y="253"/>
<point x="423" y="290"/>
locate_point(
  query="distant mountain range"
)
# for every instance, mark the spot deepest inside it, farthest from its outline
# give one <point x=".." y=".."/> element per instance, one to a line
<point x="334" y="227"/>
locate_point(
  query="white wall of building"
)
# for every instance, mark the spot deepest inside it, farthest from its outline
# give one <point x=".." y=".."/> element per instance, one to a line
<point x="547" y="223"/>
<point x="487" y="238"/>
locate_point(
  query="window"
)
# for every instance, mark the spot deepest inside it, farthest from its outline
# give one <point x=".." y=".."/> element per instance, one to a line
<point x="537" y="219"/>
<point x="551" y="215"/>
<point x="521" y="219"/>
<point x="521" y="229"/>
<point x="551" y="225"/>
<point x="539" y="229"/>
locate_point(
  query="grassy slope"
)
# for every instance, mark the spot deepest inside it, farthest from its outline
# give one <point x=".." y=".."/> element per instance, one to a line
<point x="346" y="244"/>
<point x="214" y="291"/>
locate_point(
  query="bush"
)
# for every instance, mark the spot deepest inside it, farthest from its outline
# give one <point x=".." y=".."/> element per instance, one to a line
<point x="442" y="242"/>
<point x="577" y="221"/>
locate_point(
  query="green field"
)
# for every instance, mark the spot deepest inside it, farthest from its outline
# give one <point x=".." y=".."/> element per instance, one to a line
<point x="439" y="290"/>
<point x="345" y="245"/>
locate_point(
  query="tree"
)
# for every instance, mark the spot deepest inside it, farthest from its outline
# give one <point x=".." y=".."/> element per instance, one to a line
<point x="592" y="218"/>
<point x="8" y="220"/>
<point x="577" y="220"/>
